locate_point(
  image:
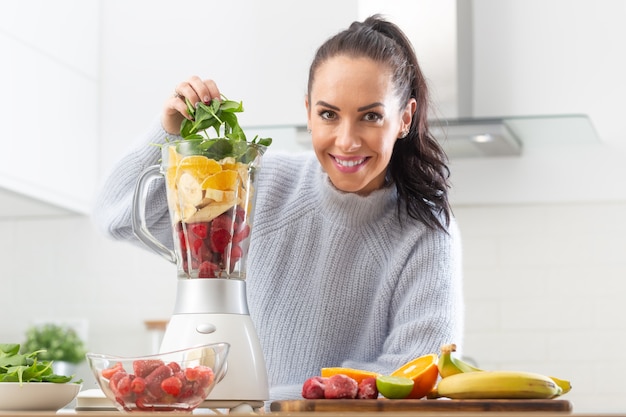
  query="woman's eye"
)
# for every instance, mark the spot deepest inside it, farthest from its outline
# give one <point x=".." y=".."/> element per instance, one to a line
<point x="327" y="114"/>
<point x="372" y="117"/>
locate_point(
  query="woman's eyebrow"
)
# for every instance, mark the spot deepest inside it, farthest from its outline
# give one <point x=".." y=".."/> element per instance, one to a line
<point x="369" y="106"/>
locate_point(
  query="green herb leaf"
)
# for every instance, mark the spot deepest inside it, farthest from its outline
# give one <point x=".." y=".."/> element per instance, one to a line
<point x="230" y="141"/>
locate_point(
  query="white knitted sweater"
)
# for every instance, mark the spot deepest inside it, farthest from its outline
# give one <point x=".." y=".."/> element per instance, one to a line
<point x="334" y="279"/>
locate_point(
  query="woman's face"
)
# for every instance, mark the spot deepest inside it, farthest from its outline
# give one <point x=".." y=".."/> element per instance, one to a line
<point x="355" y="119"/>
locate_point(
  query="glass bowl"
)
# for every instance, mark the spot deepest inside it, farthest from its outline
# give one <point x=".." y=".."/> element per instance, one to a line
<point x="177" y="381"/>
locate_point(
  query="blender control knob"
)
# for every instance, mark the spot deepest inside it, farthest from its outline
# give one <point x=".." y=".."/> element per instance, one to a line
<point x="205" y="328"/>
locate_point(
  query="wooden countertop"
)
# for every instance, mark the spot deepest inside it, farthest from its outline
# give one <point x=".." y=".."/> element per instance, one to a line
<point x="307" y="414"/>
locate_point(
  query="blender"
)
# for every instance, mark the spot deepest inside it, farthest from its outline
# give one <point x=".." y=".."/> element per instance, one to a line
<point x="211" y="200"/>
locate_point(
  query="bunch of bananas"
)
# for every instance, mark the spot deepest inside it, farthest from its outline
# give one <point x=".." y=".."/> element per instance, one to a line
<point x="460" y="380"/>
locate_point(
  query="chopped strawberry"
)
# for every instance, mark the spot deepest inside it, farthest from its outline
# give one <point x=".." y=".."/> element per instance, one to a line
<point x="222" y="222"/>
<point x="367" y="389"/>
<point x="115" y="379"/>
<point x="220" y="239"/>
<point x="109" y="372"/>
<point x="340" y="386"/>
<point x="124" y="385"/>
<point x="143" y="368"/>
<point x="242" y="233"/>
<point x="201" y="230"/>
<point x="207" y="270"/>
<point x="240" y="215"/>
<point x="172" y="385"/>
<point x="138" y="385"/>
<point x="174" y="366"/>
<point x="153" y="381"/>
<point x="313" y="388"/>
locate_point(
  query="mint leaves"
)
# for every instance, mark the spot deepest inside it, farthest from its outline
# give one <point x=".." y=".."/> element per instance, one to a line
<point x="230" y="141"/>
<point x="16" y="367"/>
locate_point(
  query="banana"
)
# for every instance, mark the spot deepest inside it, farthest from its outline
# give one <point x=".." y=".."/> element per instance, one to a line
<point x="565" y="385"/>
<point x="449" y="365"/>
<point x="498" y="385"/>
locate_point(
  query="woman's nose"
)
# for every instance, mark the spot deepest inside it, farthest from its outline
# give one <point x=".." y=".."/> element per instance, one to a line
<point x="347" y="139"/>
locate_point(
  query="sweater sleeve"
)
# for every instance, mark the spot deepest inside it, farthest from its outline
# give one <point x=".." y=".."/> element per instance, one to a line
<point x="113" y="207"/>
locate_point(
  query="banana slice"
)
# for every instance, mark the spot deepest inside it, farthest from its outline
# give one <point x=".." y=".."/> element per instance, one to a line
<point x="189" y="190"/>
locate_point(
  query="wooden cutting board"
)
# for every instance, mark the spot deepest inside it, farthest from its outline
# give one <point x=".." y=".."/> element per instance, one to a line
<point x="443" y="405"/>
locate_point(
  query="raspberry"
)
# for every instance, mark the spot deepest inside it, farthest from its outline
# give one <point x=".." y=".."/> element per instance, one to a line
<point x="367" y="389"/>
<point x="313" y="388"/>
<point x="340" y="386"/>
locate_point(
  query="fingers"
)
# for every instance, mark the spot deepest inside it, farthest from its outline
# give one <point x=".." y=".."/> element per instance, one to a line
<point x="193" y="89"/>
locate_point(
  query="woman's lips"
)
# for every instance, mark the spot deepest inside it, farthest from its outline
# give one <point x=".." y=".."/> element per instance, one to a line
<point x="349" y="164"/>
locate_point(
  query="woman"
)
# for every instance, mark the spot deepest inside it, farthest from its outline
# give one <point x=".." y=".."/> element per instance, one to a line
<point x="354" y="256"/>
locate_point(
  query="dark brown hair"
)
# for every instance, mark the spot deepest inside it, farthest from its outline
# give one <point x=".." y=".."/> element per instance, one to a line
<point x="418" y="165"/>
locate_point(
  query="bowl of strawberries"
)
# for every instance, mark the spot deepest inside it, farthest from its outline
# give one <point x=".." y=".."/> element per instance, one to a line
<point x="177" y="381"/>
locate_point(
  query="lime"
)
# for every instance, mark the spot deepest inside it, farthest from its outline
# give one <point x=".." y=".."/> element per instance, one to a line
<point x="394" y="387"/>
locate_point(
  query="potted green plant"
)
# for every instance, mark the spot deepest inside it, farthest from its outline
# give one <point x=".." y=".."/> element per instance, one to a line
<point x="57" y="343"/>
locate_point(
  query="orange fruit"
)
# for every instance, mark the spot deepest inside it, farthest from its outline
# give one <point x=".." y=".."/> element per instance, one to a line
<point x="357" y="374"/>
<point x="424" y="373"/>
<point x="223" y="180"/>
<point x="199" y="166"/>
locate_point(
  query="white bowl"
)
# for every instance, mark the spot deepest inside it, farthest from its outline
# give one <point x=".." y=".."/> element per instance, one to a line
<point x="36" y="396"/>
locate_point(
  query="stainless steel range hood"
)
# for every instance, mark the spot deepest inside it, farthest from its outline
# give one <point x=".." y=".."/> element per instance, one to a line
<point x="509" y="136"/>
<point x="468" y="136"/>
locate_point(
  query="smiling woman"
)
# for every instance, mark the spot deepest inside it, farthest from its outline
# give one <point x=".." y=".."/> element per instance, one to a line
<point x="354" y="257"/>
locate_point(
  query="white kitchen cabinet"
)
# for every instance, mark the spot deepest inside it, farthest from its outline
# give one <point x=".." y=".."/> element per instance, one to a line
<point x="49" y="82"/>
<point x="259" y="52"/>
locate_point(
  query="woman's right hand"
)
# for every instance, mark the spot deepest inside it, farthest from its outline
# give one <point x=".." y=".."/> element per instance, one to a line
<point x="194" y="89"/>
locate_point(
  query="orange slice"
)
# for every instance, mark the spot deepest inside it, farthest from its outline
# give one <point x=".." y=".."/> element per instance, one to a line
<point x="357" y="374"/>
<point x="173" y="159"/>
<point x="223" y="180"/>
<point x="199" y="166"/>
<point x="424" y="373"/>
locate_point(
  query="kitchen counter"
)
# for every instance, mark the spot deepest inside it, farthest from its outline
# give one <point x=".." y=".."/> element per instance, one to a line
<point x="305" y="414"/>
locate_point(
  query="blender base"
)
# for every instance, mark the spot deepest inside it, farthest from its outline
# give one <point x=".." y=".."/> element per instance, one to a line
<point x="245" y="378"/>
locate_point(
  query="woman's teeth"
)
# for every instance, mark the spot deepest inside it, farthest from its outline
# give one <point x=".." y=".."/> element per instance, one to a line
<point x="349" y="163"/>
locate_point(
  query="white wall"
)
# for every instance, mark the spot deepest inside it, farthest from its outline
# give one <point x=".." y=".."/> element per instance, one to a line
<point x="543" y="273"/>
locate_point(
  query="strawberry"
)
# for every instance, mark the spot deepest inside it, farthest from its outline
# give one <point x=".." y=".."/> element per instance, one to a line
<point x="172" y="385"/>
<point x="242" y="233"/>
<point x="124" y="385"/>
<point x="142" y="368"/>
<point x="115" y="379"/>
<point x="235" y="253"/>
<point x="220" y="239"/>
<point x="153" y="381"/>
<point x="367" y="389"/>
<point x="340" y="386"/>
<point x="313" y="388"/>
<point x="205" y="376"/>
<point x="138" y="385"/>
<point x="109" y="372"/>
<point x="201" y="230"/>
<point x="222" y="222"/>
<point x="174" y="366"/>
<point x="207" y="270"/>
<point x="240" y="215"/>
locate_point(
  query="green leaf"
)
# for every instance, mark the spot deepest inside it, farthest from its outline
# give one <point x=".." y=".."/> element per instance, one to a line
<point x="9" y="349"/>
<point x="219" y="116"/>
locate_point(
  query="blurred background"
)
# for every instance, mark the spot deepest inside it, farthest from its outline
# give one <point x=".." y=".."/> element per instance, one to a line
<point x="544" y="231"/>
